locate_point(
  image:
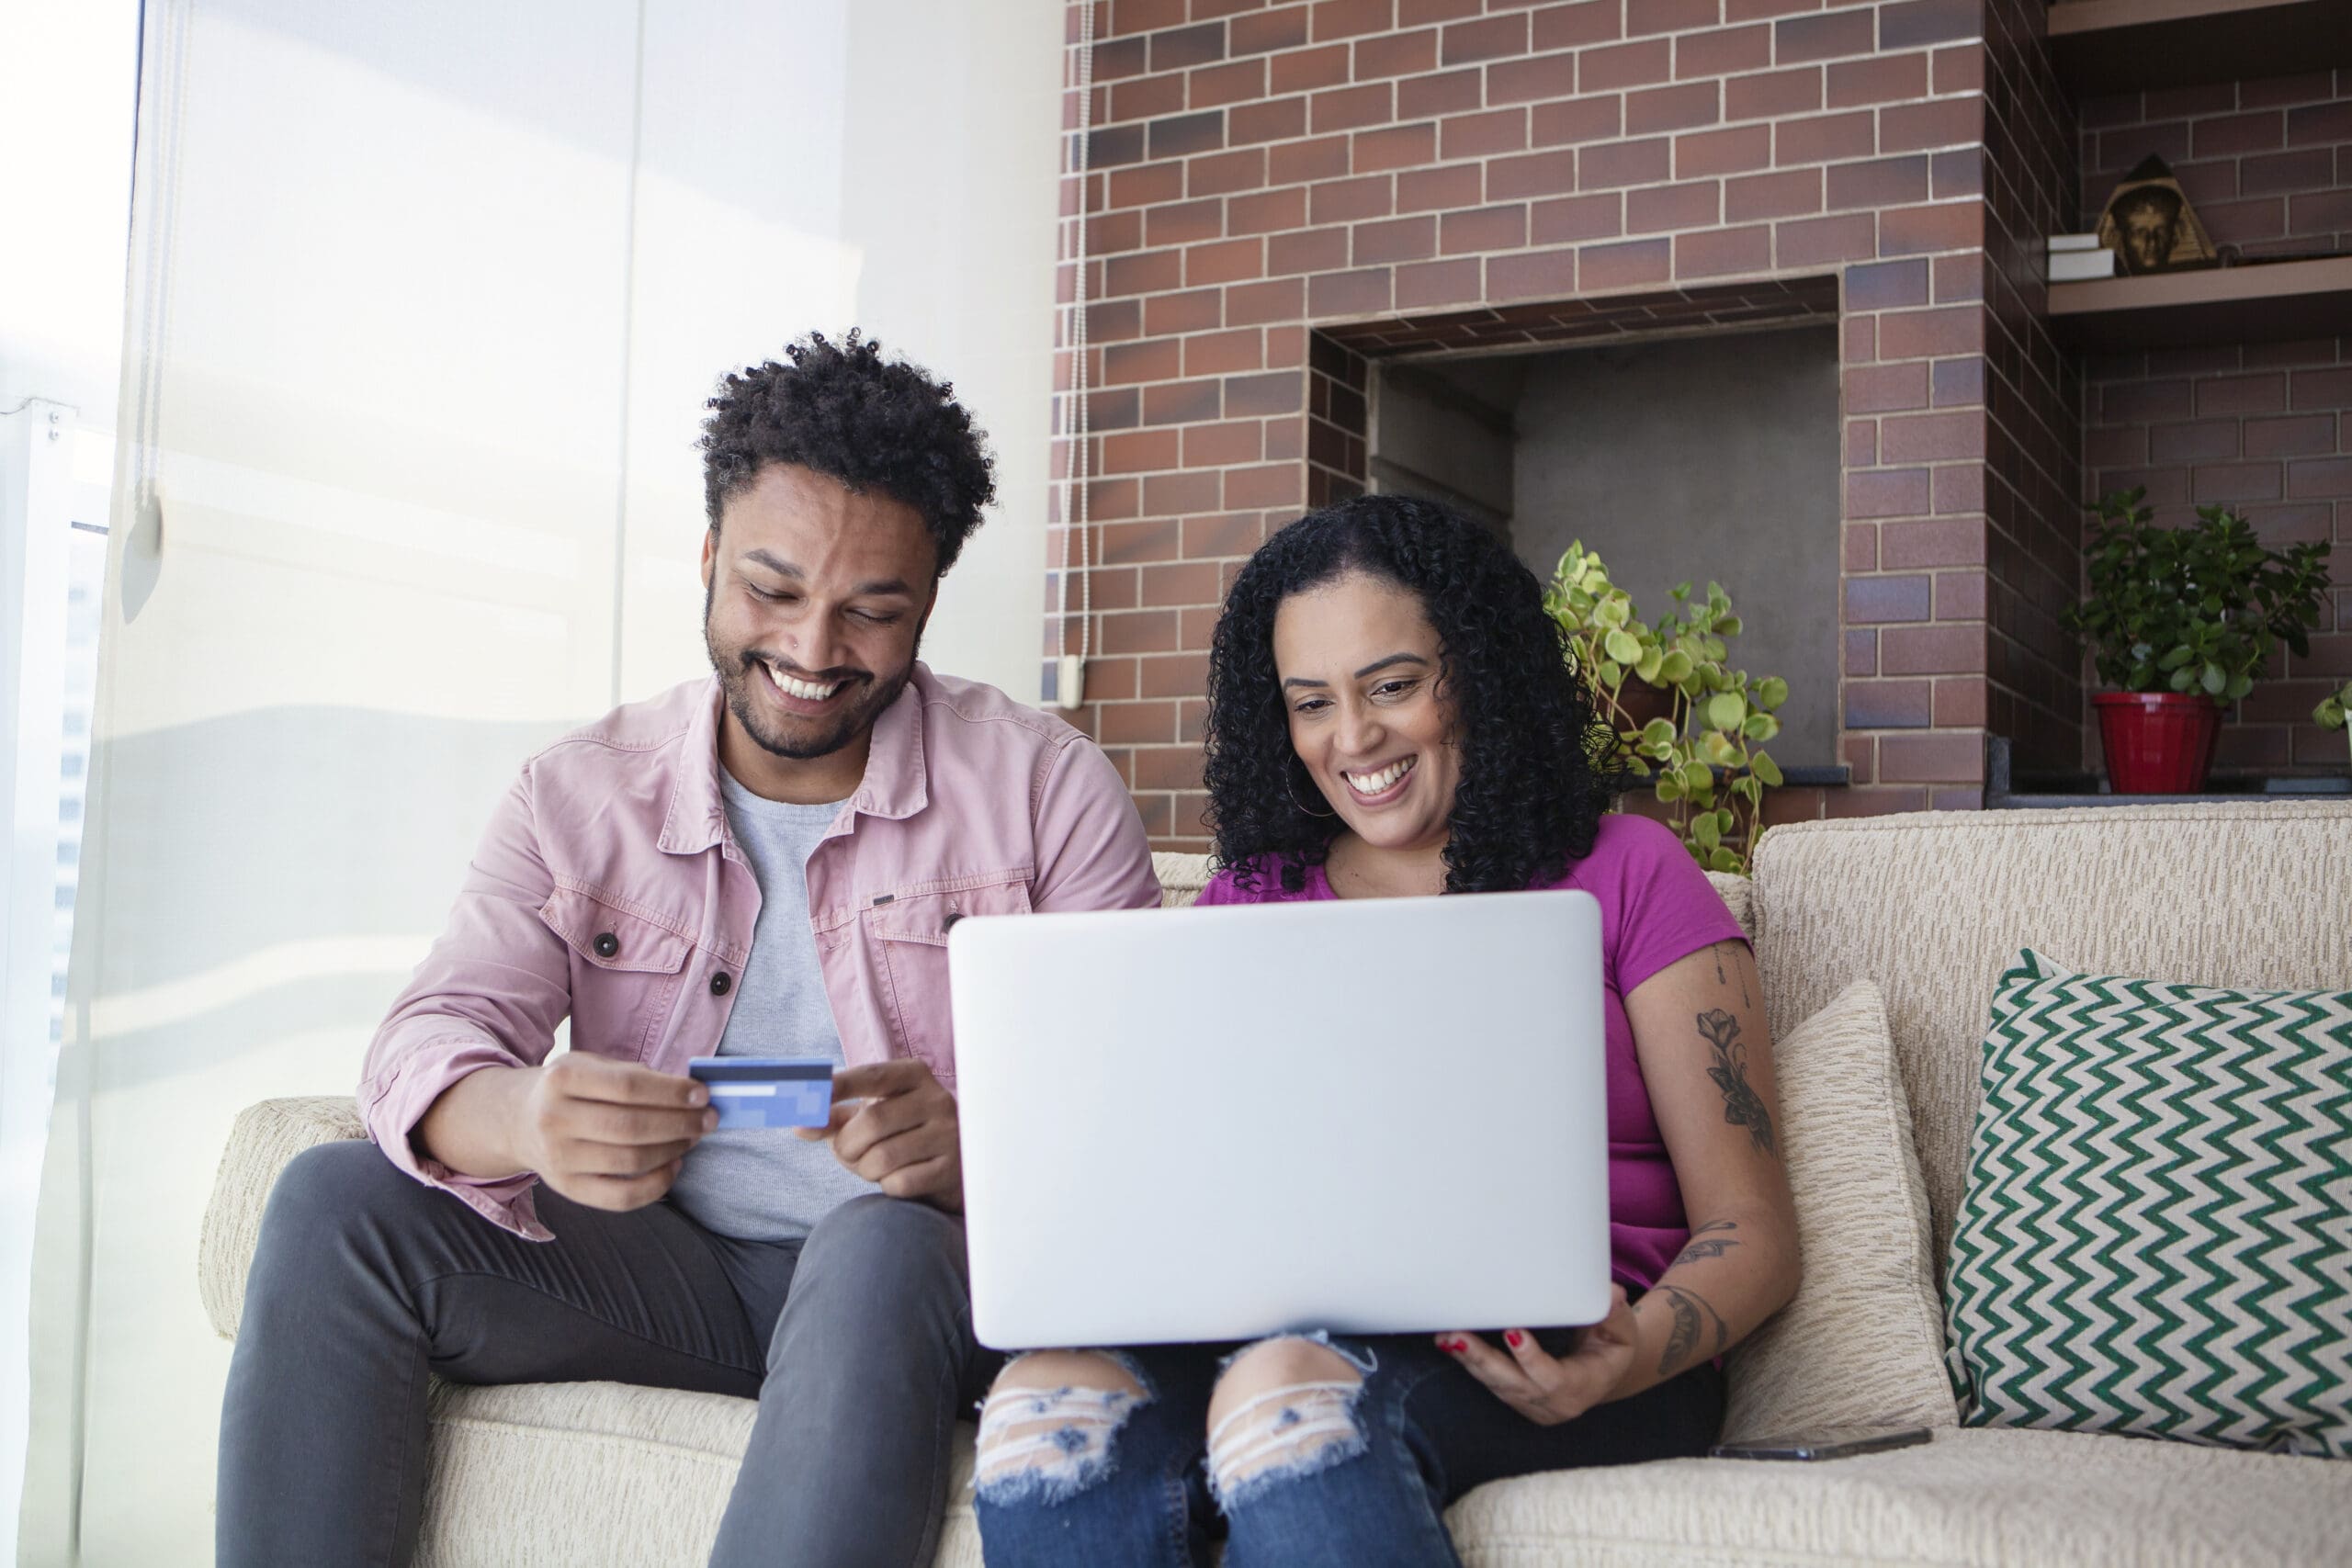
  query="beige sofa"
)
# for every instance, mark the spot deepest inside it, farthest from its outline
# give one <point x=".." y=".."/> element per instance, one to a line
<point x="1929" y="907"/>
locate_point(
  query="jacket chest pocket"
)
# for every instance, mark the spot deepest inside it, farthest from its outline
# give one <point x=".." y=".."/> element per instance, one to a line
<point x="909" y="930"/>
<point x="625" y="971"/>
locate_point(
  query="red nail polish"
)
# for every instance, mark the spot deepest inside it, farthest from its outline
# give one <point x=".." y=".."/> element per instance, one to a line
<point x="1454" y="1347"/>
<point x="1512" y="1338"/>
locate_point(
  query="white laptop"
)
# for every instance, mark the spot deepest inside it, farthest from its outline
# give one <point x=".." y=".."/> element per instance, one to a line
<point x="1368" y="1116"/>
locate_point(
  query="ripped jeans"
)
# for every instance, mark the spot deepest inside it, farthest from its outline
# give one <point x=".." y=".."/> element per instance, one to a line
<point x="1327" y="1471"/>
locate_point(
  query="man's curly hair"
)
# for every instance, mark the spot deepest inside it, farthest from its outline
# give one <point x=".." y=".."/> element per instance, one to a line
<point x="841" y="410"/>
<point x="1538" y="768"/>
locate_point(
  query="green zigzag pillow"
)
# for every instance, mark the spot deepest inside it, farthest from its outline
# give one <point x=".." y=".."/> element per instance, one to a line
<point x="2156" y="1236"/>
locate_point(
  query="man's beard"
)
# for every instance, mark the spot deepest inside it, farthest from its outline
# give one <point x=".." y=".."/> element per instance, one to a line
<point x="737" y="671"/>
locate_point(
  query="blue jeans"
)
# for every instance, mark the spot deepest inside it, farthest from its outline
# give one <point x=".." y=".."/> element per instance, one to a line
<point x="1426" y="1432"/>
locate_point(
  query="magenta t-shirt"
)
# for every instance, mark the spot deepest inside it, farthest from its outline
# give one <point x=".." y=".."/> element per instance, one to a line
<point x="1655" y="906"/>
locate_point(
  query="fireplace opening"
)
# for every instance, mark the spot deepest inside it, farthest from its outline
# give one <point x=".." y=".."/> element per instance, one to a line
<point x="1678" y="459"/>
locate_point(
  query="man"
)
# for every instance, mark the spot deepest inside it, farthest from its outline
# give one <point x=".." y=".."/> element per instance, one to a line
<point x="761" y="863"/>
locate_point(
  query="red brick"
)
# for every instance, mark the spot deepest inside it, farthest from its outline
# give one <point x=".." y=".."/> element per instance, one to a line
<point x="1480" y="135"/>
<point x="1929" y="758"/>
<point x="1931" y="650"/>
<point x="1625" y="65"/>
<point x="1142" y="451"/>
<point x="2217" y="482"/>
<point x="1722" y="51"/>
<point x="1540" y="76"/>
<point x="1135" y="723"/>
<point x="1606" y="268"/>
<point x="1301" y="161"/>
<point x="1266" y="211"/>
<point x="1670" y="15"/>
<point x="1887" y="78"/>
<point x="1618" y="163"/>
<point x="1272" y="484"/>
<point x="1209" y="538"/>
<point x="1148" y="185"/>
<point x="1948" y="226"/>
<point x="1960" y="69"/>
<point x="1346" y="201"/>
<point x="1127" y="363"/>
<point x="2290" y="437"/>
<point x="1145" y="97"/>
<point x="1262" y="32"/>
<point x="1894" y="493"/>
<point x="1222" y="261"/>
<point x="1346" y="19"/>
<point x="1448" y="92"/>
<point x="1857" y="549"/>
<point x="2192" y="441"/>
<point x="1943" y="542"/>
<point x="1303" y="70"/>
<point x="1824" y="138"/>
<point x="1772" y="94"/>
<point x="1676" y="107"/>
<point x="1927" y="335"/>
<point x="1577" y="217"/>
<point x="1124" y="542"/>
<point x="1402" y="239"/>
<point x="1397" y="147"/>
<point x="1179" y="48"/>
<point x="1180" y="135"/>
<point x="2229" y="136"/>
<point x="1887" y="704"/>
<point x="1662" y="207"/>
<point x="1801" y="38"/>
<point x="1959" y="596"/>
<point x="1440" y="189"/>
<point x="1399" y="54"/>
<point x="1861" y="452"/>
<point x="1722" y="252"/>
<point x="1170" y="495"/>
<point x="1182" y="222"/>
<point x="1414" y="13"/>
<point x="1879" y="182"/>
<point x="1222" y="445"/>
<point x="1225" y="173"/>
<point x="1812" y="241"/>
<point x="1438" y="283"/>
<point x="1532" y="275"/>
<point x="1486" y="229"/>
<point x="1876" y="388"/>
<point x="1772" y="196"/>
<point x="1145" y="16"/>
<point x="1347" y="294"/>
<point x="1241" y="82"/>
<point x="1535" y="174"/>
<point x="1933" y="437"/>
<point x="2242" y="394"/>
<point x="1941" y="123"/>
<point x="1269" y="119"/>
<point x="1306" y="250"/>
<point x="1466" y="42"/>
<point x="1730" y="151"/>
<point x="1248" y="304"/>
<point x="1197" y="310"/>
<point x="1577" y="119"/>
<point x="1861" y="652"/>
<point x="1570" y="27"/>
<point x="1345" y="109"/>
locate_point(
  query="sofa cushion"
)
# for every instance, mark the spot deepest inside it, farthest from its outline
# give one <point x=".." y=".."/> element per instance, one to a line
<point x="1863" y="1341"/>
<point x="549" y="1474"/>
<point x="2156" y="1236"/>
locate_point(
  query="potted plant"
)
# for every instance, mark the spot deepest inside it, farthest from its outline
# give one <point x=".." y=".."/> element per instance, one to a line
<point x="1682" y="716"/>
<point x="2334" y="710"/>
<point x="2181" y="622"/>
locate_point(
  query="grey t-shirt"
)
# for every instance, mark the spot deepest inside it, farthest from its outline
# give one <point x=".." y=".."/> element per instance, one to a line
<point x="766" y="1183"/>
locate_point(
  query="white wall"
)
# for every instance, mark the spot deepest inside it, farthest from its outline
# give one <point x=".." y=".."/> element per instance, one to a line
<point x="434" y="293"/>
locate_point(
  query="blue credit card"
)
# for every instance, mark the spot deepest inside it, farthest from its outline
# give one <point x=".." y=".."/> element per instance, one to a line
<point x="767" y="1092"/>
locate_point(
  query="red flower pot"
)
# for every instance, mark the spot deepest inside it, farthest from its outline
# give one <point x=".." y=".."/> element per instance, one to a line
<point x="2157" y="742"/>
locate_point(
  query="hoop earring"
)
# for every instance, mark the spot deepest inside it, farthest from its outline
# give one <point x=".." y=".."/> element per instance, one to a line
<point x="1292" y="790"/>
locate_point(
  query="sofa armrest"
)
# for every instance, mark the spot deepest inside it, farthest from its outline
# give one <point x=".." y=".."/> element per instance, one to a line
<point x="265" y="1136"/>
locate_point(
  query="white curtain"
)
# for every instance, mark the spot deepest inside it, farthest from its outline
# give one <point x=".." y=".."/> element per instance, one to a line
<point x="425" y="300"/>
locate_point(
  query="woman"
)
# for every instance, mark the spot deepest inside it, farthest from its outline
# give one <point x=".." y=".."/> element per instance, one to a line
<point x="1390" y="713"/>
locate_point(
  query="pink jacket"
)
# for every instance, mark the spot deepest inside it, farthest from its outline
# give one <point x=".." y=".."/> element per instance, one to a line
<point x="609" y="888"/>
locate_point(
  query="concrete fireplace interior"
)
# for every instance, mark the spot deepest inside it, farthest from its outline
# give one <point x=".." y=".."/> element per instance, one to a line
<point x="1678" y="458"/>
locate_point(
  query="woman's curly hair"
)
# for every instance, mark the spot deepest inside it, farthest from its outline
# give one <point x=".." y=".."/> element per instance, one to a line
<point x="1538" y="769"/>
<point x="841" y="410"/>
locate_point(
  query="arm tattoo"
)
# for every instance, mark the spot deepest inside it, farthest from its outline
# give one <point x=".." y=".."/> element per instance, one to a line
<point x="1703" y="1244"/>
<point x="1743" y="1107"/>
<point x="1683" y="1336"/>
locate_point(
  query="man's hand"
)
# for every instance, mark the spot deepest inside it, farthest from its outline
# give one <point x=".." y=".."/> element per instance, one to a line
<point x="609" y="1135"/>
<point x="900" y="1133"/>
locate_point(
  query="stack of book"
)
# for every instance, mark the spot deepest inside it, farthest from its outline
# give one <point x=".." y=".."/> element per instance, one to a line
<point x="2073" y="257"/>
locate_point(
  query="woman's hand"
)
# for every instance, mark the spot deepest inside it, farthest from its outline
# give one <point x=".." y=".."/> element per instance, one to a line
<point x="1546" y="1388"/>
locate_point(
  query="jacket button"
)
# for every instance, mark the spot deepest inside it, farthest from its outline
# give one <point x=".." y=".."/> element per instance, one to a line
<point x="718" y="984"/>
<point x="606" y="945"/>
<point x="947" y="923"/>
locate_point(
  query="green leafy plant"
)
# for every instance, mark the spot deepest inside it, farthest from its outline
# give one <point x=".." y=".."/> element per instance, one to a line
<point x="2191" y="609"/>
<point x="1704" y="753"/>
<point x="2334" y="710"/>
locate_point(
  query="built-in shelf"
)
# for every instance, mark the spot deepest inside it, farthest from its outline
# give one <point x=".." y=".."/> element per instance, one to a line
<point x="2122" y="46"/>
<point x="2260" y="302"/>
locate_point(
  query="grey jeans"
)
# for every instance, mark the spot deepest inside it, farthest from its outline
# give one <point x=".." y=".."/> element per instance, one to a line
<point x="857" y="1344"/>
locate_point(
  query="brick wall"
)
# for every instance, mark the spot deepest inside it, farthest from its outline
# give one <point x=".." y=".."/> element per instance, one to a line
<point x="1280" y="193"/>
<point x="2266" y="428"/>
